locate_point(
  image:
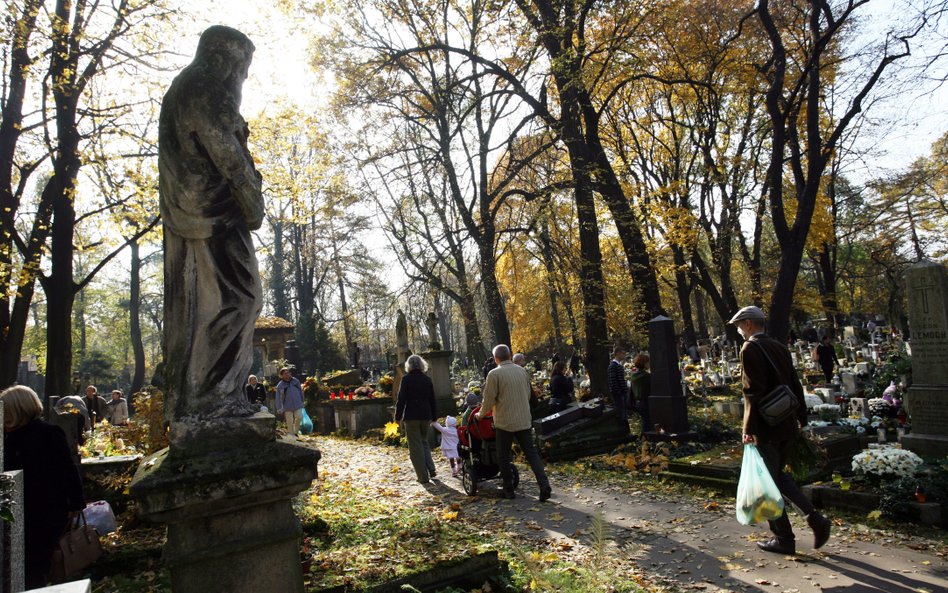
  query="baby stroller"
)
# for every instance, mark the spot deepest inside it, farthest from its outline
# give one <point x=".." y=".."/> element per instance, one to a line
<point x="478" y="448"/>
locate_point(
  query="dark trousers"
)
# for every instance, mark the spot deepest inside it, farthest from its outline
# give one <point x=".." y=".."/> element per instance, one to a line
<point x="775" y="457"/>
<point x="622" y="410"/>
<point x="524" y="438"/>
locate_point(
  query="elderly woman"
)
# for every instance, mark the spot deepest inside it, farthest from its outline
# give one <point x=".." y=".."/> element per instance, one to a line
<point x="415" y="408"/>
<point x="52" y="488"/>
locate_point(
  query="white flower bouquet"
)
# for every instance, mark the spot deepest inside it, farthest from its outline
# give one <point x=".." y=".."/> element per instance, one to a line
<point x="827" y="412"/>
<point x="886" y="463"/>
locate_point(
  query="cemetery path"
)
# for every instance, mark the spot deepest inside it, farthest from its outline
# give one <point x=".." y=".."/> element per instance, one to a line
<point x="672" y="541"/>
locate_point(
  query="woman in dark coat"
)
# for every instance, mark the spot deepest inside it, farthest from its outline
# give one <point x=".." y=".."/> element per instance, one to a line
<point x="561" y="388"/>
<point x="52" y="488"/>
<point x="826" y="356"/>
<point x="641" y="388"/>
<point x="415" y="408"/>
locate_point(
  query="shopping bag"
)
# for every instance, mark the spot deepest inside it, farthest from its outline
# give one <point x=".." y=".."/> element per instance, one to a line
<point x="99" y="515"/>
<point x="758" y="498"/>
<point x="306" y="426"/>
<point x="77" y="548"/>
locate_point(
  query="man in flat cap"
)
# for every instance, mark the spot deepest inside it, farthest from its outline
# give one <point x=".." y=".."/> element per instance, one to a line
<point x="765" y="364"/>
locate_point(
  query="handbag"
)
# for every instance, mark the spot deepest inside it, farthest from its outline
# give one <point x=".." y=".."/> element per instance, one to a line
<point x="780" y="403"/>
<point x="77" y="548"/>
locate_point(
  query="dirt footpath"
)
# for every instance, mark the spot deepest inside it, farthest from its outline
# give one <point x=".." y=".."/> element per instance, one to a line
<point x="673" y="541"/>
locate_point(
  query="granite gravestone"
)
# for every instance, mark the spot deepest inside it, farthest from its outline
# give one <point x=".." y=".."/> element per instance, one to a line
<point x="668" y="408"/>
<point x="927" y="398"/>
<point x="225" y="485"/>
<point x="12" y="568"/>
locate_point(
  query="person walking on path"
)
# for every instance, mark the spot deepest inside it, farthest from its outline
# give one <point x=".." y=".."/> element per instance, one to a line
<point x="826" y="356"/>
<point x="618" y="388"/>
<point x="507" y="394"/>
<point x="416" y="409"/>
<point x="765" y="364"/>
<point x="449" y="443"/>
<point x="289" y="401"/>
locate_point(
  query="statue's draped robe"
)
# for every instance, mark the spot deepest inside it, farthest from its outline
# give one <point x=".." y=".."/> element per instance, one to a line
<point x="210" y="201"/>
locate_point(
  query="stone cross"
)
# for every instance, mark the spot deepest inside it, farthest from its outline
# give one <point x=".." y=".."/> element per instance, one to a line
<point x="927" y="398"/>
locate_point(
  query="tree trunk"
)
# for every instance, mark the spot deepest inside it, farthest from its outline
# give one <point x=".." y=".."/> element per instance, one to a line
<point x="547" y="252"/>
<point x="278" y="288"/>
<point x="496" y="311"/>
<point x="683" y="289"/>
<point x="134" y="319"/>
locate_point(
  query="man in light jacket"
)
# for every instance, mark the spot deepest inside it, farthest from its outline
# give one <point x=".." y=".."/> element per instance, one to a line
<point x="289" y="401"/>
<point x="507" y="394"/>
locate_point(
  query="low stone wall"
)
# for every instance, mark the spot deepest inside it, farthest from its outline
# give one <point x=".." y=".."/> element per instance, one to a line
<point x="828" y="497"/>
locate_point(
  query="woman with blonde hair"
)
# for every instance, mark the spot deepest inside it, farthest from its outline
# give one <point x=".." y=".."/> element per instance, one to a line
<point x="416" y="409"/>
<point x="52" y="488"/>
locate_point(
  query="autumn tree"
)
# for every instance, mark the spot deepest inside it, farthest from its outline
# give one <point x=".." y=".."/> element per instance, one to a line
<point x="806" y="39"/>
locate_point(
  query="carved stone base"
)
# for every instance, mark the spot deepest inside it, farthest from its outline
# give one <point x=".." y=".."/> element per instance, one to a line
<point x="926" y="445"/>
<point x="230" y="521"/>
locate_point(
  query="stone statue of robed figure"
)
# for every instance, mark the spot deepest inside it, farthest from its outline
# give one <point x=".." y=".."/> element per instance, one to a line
<point x="210" y="201"/>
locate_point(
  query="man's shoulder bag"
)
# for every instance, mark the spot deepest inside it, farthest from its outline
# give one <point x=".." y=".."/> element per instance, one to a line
<point x="780" y="403"/>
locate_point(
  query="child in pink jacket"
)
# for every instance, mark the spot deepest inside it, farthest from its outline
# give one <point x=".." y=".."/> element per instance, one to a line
<point x="449" y="443"/>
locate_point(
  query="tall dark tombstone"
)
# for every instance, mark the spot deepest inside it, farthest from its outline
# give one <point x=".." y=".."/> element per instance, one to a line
<point x="927" y="398"/>
<point x="668" y="407"/>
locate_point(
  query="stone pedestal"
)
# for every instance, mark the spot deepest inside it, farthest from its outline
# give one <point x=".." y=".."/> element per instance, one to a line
<point x="439" y="369"/>
<point x="667" y="406"/>
<point x="12" y="558"/>
<point x="927" y="398"/>
<point x="228" y="506"/>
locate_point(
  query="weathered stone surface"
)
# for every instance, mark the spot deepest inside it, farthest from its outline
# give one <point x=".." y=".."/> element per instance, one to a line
<point x="361" y="415"/>
<point x="210" y="200"/>
<point x="195" y="435"/>
<point x="591" y="429"/>
<point x="927" y="398"/>
<point x="230" y="519"/>
<point x="439" y="369"/>
<point x="346" y="379"/>
<point x="12" y="558"/>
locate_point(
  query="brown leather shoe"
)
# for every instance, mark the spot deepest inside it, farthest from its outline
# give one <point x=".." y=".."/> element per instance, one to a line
<point x="821" y="528"/>
<point x="778" y="547"/>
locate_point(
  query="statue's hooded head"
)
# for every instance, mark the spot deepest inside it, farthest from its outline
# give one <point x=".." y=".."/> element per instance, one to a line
<point x="225" y="55"/>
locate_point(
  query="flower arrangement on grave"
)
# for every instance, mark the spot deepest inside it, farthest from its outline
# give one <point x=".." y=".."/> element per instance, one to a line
<point x="311" y="387"/>
<point x="887" y="463"/>
<point x="827" y="412"/>
<point x="883" y="408"/>
<point x="386" y="383"/>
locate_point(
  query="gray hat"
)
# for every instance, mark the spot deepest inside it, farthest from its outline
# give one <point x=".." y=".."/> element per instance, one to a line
<point x="751" y="312"/>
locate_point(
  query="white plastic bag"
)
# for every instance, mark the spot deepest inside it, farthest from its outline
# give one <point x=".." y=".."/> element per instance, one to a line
<point x="100" y="516"/>
<point x="758" y="498"/>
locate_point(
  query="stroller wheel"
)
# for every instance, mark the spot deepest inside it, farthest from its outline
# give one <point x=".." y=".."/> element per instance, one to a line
<point x="515" y="474"/>
<point x="468" y="480"/>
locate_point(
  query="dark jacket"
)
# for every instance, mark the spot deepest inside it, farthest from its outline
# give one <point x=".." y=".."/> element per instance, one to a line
<point x="640" y="389"/>
<point x="51" y="488"/>
<point x="256" y="394"/>
<point x="827" y="356"/>
<point x="416" y="398"/>
<point x="561" y="389"/>
<point x="759" y="377"/>
<point x="617" y="385"/>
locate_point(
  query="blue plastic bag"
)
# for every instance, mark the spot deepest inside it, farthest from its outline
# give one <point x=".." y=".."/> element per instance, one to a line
<point x="306" y="425"/>
<point x="758" y="498"/>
